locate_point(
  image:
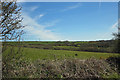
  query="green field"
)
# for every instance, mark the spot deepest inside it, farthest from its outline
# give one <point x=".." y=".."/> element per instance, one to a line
<point x="42" y="58"/>
<point x="35" y="54"/>
<point x="90" y="46"/>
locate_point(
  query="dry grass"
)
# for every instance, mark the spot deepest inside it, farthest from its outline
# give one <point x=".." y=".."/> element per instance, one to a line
<point x="75" y="68"/>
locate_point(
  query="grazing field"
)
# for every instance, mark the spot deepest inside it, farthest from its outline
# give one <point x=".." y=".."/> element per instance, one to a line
<point x="34" y="54"/>
<point x="90" y="46"/>
<point x="60" y="60"/>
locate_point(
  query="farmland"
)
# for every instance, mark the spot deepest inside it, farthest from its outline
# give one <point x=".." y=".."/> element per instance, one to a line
<point x="90" y="46"/>
<point x="34" y="54"/>
<point x="62" y="52"/>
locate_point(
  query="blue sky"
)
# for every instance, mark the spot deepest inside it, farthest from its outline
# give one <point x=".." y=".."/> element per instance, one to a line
<point x="69" y="21"/>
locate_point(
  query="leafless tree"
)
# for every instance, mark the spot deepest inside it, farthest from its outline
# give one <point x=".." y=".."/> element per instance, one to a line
<point x="10" y="21"/>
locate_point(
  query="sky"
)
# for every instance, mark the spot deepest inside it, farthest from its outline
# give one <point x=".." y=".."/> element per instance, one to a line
<point x="72" y="21"/>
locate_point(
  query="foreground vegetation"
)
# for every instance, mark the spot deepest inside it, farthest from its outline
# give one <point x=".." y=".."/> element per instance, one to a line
<point x="53" y="59"/>
<point x="32" y="60"/>
<point x="73" y="68"/>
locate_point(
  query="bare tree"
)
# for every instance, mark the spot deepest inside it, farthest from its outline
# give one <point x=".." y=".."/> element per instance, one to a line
<point x="10" y="24"/>
<point x="11" y="29"/>
<point x="10" y="21"/>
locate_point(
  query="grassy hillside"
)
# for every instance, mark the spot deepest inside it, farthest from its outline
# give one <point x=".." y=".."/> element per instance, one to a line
<point x="90" y="46"/>
<point x="34" y="54"/>
<point x="58" y="59"/>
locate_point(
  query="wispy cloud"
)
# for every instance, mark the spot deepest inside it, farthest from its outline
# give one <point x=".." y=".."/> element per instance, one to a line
<point x="52" y="23"/>
<point x="100" y="2"/>
<point x="115" y="25"/>
<point x="109" y="32"/>
<point x="33" y="8"/>
<point x="72" y="7"/>
<point x="39" y="31"/>
<point x="41" y="15"/>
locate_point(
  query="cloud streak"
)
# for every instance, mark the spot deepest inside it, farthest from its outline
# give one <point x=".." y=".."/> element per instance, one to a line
<point x="37" y="30"/>
<point x="115" y="25"/>
<point x="52" y="23"/>
<point x="34" y="8"/>
<point x="109" y="32"/>
<point x="100" y="3"/>
<point x="41" y="15"/>
<point x="72" y="7"/>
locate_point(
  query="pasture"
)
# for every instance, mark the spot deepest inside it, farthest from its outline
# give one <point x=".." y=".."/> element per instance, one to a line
<point x="35" y="54"/>
<point x="40" y="59"/>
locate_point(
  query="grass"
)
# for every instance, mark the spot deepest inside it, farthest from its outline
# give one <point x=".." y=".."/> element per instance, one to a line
<point x="33" y="42"/>
<point x="66" y="47"/>
<point x="66" y="58"/>
<point x="35" y="54"/>
<point x="114" y="75"/>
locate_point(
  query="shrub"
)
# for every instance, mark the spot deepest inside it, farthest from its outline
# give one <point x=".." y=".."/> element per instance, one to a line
<point x="67" y="68"/>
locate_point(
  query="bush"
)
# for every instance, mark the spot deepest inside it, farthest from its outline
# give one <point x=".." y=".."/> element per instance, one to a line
<point x="18" y="69"/>
<point x="114" y="62"/>
<point x="67" y="68"/>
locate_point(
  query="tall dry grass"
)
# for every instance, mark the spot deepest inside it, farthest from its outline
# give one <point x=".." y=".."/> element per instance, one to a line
<point x="74" y="68"/>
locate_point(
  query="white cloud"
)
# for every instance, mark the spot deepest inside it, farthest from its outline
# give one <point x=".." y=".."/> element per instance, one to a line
<point x="109" y="32"/>
<point x="34" y="8"/>
<point x="52" y="23"/>
<point x="41" y="15"/>
<point x="100" y="2"/>
<point x="72" y="7"/>
<point x="38" y="30"/>
<point x="115" y="25"/>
